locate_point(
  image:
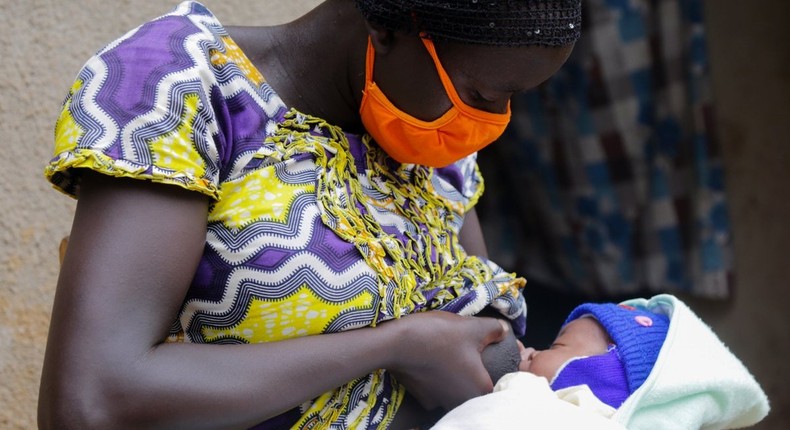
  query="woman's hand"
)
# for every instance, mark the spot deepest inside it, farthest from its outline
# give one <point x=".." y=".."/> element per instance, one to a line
<point x="438" y="356"/>
<point x="133" y="252"/>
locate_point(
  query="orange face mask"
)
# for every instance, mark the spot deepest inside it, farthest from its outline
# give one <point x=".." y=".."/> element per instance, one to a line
<point x="459" y="132"/>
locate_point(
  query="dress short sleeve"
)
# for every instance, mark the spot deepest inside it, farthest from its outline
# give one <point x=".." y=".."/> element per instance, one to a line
<point x="472" y="186"/>
<point x="148" y="106"/>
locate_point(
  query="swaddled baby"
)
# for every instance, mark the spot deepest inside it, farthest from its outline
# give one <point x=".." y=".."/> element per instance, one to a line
<point x="641" y="364"/>
<point x="608" y="347"/>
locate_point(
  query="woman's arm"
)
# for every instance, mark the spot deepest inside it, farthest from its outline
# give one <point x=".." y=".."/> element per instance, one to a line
<point x="133" y="251"/>
<point x="471" y="235"/>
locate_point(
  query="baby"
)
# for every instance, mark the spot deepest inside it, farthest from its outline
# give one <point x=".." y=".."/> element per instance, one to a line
<point x="641" y="364"/>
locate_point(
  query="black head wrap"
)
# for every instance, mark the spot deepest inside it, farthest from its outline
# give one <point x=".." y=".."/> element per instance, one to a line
<point x="485" y="22"/>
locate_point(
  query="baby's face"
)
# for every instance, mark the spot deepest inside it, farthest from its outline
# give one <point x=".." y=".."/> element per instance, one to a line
<point x="581" y="337"/>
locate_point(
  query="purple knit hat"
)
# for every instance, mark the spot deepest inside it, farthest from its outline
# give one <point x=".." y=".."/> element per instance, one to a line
<point x="637" y="334"/>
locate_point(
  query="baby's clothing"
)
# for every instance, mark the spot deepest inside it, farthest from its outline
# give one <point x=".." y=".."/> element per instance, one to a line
<point x="522" y="400"/>
<point x="695" y="383"/>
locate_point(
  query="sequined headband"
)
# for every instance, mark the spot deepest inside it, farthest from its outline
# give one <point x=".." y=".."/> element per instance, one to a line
<point x="485" y="22"/>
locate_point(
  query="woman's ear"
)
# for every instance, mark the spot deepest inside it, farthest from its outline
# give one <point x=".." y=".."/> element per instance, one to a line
<point x="381" y="37"/>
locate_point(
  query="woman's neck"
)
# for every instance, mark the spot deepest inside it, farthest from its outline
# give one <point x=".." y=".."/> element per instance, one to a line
<point x="316" y="63"/>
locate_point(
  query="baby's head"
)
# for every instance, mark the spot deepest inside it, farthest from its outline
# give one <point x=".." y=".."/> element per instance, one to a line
<point x="610" y="348"/>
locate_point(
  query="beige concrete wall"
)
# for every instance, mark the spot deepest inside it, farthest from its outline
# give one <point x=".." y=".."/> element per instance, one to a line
<point x="43" y="43"/>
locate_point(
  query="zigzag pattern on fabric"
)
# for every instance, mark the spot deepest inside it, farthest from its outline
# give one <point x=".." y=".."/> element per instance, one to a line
<point x="309" y="230"/>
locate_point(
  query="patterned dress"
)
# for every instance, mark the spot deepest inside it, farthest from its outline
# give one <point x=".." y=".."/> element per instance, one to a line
<point x="310" y="230"/>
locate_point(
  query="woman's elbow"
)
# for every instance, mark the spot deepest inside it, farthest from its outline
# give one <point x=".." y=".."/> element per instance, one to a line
<point x="70" y="403"/>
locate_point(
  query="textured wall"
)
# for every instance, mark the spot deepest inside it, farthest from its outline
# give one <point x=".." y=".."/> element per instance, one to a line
<point x="44" y="43"/>
<point x="750" y="62"/>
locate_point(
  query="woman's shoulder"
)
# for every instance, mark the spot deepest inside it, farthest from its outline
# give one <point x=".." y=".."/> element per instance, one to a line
<point x="154" y="104"/>
<point x="186" y="21"/>
<point x="184" y="31"/>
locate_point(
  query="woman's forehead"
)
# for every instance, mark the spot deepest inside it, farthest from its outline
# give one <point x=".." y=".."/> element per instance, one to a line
<point x="508" y="69"/>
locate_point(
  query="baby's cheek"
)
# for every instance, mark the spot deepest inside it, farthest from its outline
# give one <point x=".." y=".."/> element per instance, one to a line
<point x="546" y="364"/>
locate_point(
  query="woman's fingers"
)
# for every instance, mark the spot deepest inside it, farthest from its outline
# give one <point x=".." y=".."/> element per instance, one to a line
<point x="441" y="361"/>
<point x="495" y="330"/>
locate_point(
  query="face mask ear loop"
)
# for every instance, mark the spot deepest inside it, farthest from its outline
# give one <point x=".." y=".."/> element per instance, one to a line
<point x="370" y="58"/>
<point x="447" y="83"/>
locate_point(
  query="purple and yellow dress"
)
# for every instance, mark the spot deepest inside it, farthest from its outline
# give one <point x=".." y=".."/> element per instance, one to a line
<point x="310" y="230"/>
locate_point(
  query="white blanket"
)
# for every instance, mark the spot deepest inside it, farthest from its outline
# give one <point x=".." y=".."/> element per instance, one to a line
<point x="696" y="383"/>
<point x="525" y="401"/>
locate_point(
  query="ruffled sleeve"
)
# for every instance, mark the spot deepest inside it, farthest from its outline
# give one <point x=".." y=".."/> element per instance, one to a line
<point x="146" y="107"/>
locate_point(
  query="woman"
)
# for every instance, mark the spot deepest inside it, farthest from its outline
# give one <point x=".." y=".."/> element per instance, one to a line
<point x="325" y="179"/>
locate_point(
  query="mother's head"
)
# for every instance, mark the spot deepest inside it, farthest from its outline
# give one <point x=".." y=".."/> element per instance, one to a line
<point x="445" y="70"/>
<point x="481" y="22"/>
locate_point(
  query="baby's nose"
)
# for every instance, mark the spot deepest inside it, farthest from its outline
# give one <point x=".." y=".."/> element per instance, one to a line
<point x="526" y="359"/>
